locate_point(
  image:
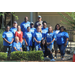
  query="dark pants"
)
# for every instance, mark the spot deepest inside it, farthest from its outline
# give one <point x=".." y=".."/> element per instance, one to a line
<point x="33" y="46"/>
<point x="8" y="50"/>
<point x="47" y="53"/>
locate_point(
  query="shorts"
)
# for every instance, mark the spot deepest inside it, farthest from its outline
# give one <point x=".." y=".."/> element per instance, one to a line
<point x="50" y="47"/>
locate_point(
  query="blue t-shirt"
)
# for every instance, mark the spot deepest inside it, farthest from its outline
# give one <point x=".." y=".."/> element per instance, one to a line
<point x="61" y="37"/>
<point x="50" y="37"/>
<point x="38" y="36"/>
<point x="32" y="29"/>
<point x="8" y="36"/>
<point x="44" y="31"/>
<point x="56" y="32"/>
<point x="17" y="45"/>
<point x="24" y="26"/>
<point x="28" y="37"/>
<point x="13" y="30"/>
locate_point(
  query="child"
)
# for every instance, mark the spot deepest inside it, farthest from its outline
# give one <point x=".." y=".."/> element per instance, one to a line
<point x="38" y="37"/>
<point x="7" y="40"/>
<point x="32" y="29"/>
<point x="17" y="46"/>
<point x="46" y="51"/>
<point x="56" y="31"/>
<point x="50" y="37"/>
<point x="62" y="41"/>
<point x="28" y="39"/>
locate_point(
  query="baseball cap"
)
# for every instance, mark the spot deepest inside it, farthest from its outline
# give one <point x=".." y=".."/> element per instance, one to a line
<point x="31" y="23"/>
<point x="39" y="16"/>
<point x="15" y="22"/>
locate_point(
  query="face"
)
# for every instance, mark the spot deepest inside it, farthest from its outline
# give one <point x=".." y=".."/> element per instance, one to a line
<point x="26" y="19"/>
<point x="44" y="25"/>
<point x="61" y="29"/>
<point x="15" y="25"/>
<point x="43" y="42"/>
<point x="28" y="29"/>
<point x="19" y="28"/>
<point x="57" y="27"/>
<point x="16" y="39"/>
<point x="8" y="28"/>
<point x="38" y="29"/>
<point x="50" y="29"/>
<point x="39" y="19"/>
<point x="32" y="26"/>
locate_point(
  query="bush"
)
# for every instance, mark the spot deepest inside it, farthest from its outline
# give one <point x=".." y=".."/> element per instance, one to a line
<point x="27" y="55"/>
<point x="1" y="40"/>
<point x="3" y="56"/>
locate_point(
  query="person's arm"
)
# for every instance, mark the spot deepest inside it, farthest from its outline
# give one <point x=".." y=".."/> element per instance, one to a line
<point x="15" y="49"/>
<point x="51" y="41"/>
<point x="25" y="42"/>
<point x="6" y="41"/>
<point x="66" y="42"/>
<point x="21" y="49"/>
<point x="49" y="50"/>
<point x="36" y="40"/>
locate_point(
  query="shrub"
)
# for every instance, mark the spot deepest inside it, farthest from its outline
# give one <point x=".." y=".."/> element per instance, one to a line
<point x="3" y="56"/>
<point x="27" y="55"/>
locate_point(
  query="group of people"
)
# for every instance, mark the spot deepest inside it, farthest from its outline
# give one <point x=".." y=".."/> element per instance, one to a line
<point x="35" y="36"/>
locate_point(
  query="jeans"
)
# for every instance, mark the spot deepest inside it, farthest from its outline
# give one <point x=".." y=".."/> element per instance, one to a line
<point x="37" y="47"/>
<point x="62" y="49"/>
<point x="28" y="48"/>
<point x="50" y="47"/>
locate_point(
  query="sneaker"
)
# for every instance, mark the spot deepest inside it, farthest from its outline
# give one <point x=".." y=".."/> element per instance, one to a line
<point x="52" y="60"/>
<point x="62" y="58"/>
<point x="55" y="57"/>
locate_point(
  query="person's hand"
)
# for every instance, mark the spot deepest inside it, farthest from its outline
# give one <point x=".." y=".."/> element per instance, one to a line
<point x="39" y="41"/>
<point x="65" y="44"/>
<point x="26" y="44"/>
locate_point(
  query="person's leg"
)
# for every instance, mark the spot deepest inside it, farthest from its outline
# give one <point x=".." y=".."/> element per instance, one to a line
<point x="33" y="46"/>
<point x="28" y="49"/>
<point x="36" y="47"/>
<point x="23" y="45"/>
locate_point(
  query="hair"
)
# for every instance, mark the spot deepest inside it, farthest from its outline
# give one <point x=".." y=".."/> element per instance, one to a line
<point x="17" y="27"/>
<point x="45" y="45"/>
<point x="56" y="26"/>
<point x="6" y="27"/>
<point x="17" y="37"/>
<point x="40" y="29"/>
<point x="44" y="22"/>
<point x="49" y="27"/>
<point x="28" y="27"/>
<point x="62" y="27"/>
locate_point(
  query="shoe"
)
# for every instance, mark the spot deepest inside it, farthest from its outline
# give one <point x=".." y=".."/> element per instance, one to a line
<point x="55" y="57"/>
<point x="52" y="60"/>
<point x="62" y="58"/>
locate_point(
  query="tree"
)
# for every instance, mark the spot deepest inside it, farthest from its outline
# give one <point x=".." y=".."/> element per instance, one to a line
<point x="71" y="22"/>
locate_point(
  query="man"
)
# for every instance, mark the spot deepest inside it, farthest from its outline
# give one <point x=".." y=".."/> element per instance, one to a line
<point x="25" y="24"/>
<point x="39" y="21"/>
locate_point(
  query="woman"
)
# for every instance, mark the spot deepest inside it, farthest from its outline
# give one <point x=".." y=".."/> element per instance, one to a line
<point x="50" y="37"/>
<point x="46" y="51"/>
<point x="28" y="39"/>
<point x="37" y="38"/>
<point x="19" y="34"/>
<point x="17" y="46"/>
<point x="62" y="41"/>
<point x="8" y="39"/>
<point x="56" y="31"/>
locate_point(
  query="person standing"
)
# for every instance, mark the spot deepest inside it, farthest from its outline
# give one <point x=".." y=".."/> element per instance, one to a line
<point x="56" y="31"/>
<point x="62" y="41"/>
<point x="19" y="34"/>
<point x="37" y="38"/>
<point x="8" y="39"/>
<point x="32" y="29"/>
<point x="17" y="46"/>
<point x="38" y="22"/>
<point x="45" y="28"/>
<point x="28" y="39"/>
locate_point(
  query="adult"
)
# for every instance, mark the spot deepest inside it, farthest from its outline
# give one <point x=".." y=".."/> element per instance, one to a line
<point x="7" y="40"/>
<point x="32" y="29"/>
<point x="38" y="37"/>
<point x="17" y="46"/>
<point x="19" y="33"/>
<point x="62" y="41"/>
<point x="28" y="39"/>
<point x="56" y="31"/>
<point x="39" y="22"/>
<point x="44" y="28"/>
<point x="25" y="24"/>
<point x="46" y="51"/>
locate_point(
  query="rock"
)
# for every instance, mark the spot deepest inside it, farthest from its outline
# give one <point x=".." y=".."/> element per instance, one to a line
<point x="46" y="59"/>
